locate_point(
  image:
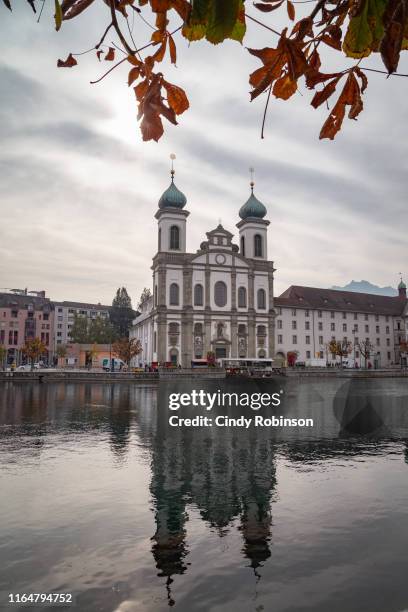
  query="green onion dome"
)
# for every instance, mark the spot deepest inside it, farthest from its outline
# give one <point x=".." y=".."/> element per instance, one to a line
<point x="172" y="197"/>
<point x="402" y="285"/>
<point x="252" y="208"/>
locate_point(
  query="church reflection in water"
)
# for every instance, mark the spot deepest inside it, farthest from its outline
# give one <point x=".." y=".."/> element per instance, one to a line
<point x="227" y="475"/>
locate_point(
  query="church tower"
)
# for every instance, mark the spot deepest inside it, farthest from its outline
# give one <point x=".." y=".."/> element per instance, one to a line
<point x="172" y="219"/>
<point x="253" y="228"/>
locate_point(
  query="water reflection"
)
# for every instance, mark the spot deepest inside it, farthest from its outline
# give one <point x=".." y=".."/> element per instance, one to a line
<point x="232" y="478"/>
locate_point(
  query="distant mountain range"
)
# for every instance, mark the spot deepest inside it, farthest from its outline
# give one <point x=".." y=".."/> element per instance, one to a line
<point x="364" y="286"/>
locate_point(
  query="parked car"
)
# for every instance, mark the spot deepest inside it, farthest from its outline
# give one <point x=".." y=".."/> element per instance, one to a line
<point x="118" y="364"/>
<point x="26" y="367"/>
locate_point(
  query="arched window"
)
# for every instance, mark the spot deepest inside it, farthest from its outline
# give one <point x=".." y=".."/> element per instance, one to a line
<point x="155" y="295"/>
<point x="261" y="330"/>
<point x="173" y="328"/>
<point x="258" y="245"/>
<point x="198" y="295"/>
<point x="261" y="299"/>
<point x="174" y="238"/>
<point x="198" y="329"/>
<point x="174" y="294"/>
<point x="262" y="354"/>
<point x="220" y="294"/>
<point x="242" y="297"/>
<point x="159" y="246"/>
<point x="243" y="246"/>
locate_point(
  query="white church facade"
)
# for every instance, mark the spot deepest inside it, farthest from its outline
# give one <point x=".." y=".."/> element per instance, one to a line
<point x="218" y="299"/>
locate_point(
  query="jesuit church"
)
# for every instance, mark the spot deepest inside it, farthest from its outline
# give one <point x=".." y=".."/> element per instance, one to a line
<point x="219" y="298"/>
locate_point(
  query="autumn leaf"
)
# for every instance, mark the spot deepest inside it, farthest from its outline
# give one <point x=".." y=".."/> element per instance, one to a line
<point x="72" y="8"/>
<point x="172" y="50"/>
<point x="58" y="15"/>
<point x="350" y="96"/>
<point x="141" y="89"/>
<point x="365" y="29"/>
<point x="134" y="74"/>
<point x="284" y="87"/>
<point x="215" y="20"/>
<point x="325" y="93"/>
<point x="268" y="8"/>
<point x="110" y="56"/>
<point x="395" y="19"/>
<point x="68" y="63"/>
<point x="176" y="97"/>
<point x="291" y="10"/>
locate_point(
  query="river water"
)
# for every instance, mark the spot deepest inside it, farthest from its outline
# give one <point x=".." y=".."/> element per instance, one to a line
<point x="101" y="498"/>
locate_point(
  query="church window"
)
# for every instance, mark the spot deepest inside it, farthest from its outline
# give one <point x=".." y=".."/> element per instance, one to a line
<point x="159" y="245"/>
<point x="243" y="246"/>
<point x="242" y="329"/>
<point x="261" y="330"/>
<point x="198" y="329"/>
<point x="174" y="294"/>
<point x="261" y="299"/>
<point x="220" y="294"/>
<point x="174" y="238"/>
<point x="258" y="245"/>
<point x="198" y="295"/>
<point x="242" y="299"/>
<point x="173" y="328"/>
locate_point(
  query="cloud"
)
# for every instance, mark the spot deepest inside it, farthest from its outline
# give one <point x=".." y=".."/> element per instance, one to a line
<point x="78" y="188"/>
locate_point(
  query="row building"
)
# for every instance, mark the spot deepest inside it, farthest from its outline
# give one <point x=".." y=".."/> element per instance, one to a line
<point x="221" y="299"/>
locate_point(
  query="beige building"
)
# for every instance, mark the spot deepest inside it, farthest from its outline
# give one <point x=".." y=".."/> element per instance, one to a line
<point x="308" y="318"/>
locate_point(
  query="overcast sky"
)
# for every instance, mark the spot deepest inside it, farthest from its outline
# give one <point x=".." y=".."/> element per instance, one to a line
<point x="79" y="188"/>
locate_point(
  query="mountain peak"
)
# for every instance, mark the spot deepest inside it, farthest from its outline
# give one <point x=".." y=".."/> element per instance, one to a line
<point x="365" y="286"/>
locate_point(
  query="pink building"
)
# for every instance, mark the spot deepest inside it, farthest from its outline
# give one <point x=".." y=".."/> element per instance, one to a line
<point x="23" y="317"/>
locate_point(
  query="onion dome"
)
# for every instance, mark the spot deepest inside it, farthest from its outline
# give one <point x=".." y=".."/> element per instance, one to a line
<point x="172" y="197"/>
<point x="252" y="207"/>
<point x="402" y="285"/>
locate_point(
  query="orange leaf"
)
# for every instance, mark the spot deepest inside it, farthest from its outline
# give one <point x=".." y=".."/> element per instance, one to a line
<point x="141" y="89"/>
<point x="110" y="56"/>
<point x="291" y="10"/>
<point x="333" y="122"/>
<point x="159" y="55"/>
<point x="284" y="87"/>
<point x="133" y="60"/>
<point x="173" y="50"/>
<point x="151" y="127"/>
<point x="325" y="93"/>
<point x="68" y="63"/>
<point x="133" y="75"/>
<point x="176" y="97"/>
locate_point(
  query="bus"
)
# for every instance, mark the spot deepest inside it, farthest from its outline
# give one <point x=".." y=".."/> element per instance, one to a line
<point x="247" y="368"/>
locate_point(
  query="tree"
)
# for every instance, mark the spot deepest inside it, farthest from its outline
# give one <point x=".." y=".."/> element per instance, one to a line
<point x="100" y="331"/>
<point x="3" y="353"/>
<point x="33" y="349"/>
<point x="61" y="351"/>
<point x="127" y="348"/>
<point x="122" y="313"/>
<point x="144" y="296"/>
<point x="340" y="349"/>
<point x="351" y="29"/>
<point x="79" y="330"/>
<point x="365" y="348"/>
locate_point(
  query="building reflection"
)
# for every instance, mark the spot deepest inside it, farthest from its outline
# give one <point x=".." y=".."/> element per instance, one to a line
<point x="227" y="475"/>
